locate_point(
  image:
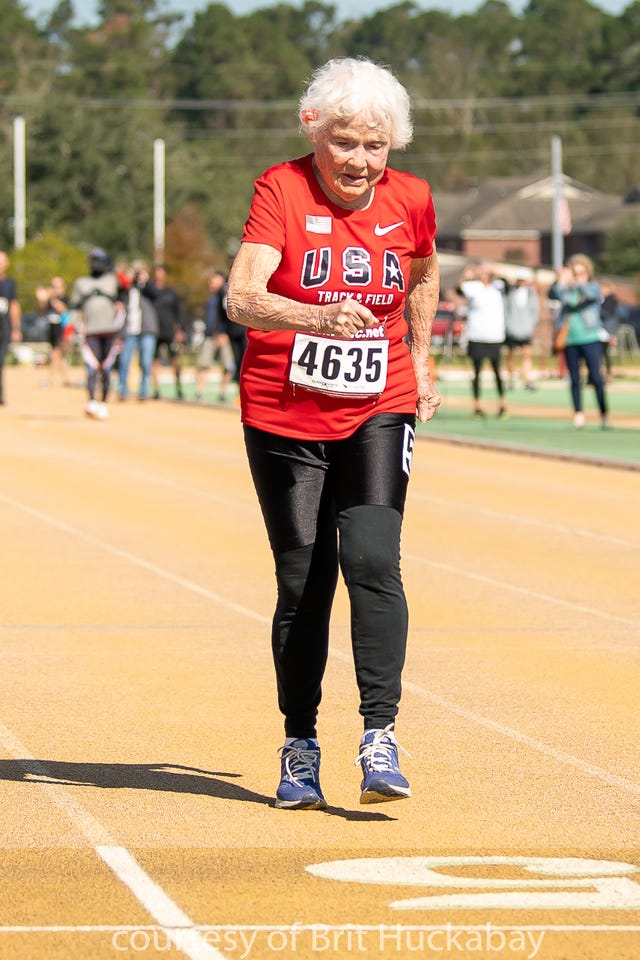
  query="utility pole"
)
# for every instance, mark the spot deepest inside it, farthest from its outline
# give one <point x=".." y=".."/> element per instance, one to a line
<point x="557" y="237"/>
<point x="158" y="200"/>
<point x="19" y="184"/>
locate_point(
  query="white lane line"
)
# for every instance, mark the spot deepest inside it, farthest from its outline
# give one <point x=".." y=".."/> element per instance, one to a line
<point x="180" y="929"/>
<point x="148" y="478"/>
<point x="253" y="510"/>
<point x="134" y="559"/>
<point x="568" y="759"/>
<point x="523" y="591"/>
<point x="320" y="925"/>
<point x="537" y="745"/>
<point x="611" y="779"/>
<point x="519" y="518"/>
<point x="251" y="614"/>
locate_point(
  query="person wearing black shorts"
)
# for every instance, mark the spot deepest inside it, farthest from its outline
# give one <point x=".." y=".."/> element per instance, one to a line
<point x="485" y="329"/>
<point x="171" y="330"/>
<point x="55" y="308"/>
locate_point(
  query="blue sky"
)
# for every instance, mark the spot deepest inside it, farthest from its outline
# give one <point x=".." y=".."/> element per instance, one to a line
<point x="348" y="8"/>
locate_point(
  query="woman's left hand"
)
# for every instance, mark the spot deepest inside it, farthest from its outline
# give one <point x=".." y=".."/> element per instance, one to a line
<point x="428" y="399"/>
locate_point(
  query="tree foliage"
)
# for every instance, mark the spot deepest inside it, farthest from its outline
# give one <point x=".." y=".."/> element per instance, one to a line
<point x="48" y="256"/>
<point x="622" y="249"/>
<point x="490" y="89"/>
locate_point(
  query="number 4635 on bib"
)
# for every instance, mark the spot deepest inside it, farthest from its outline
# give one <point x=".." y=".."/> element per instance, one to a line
<point x="342" y="367"/>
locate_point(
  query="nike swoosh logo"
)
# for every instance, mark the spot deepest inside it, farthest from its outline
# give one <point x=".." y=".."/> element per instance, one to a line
<point x="383" y="231"/>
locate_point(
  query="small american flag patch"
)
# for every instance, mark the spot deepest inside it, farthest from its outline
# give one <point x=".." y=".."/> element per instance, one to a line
<point x="318" y="224"/>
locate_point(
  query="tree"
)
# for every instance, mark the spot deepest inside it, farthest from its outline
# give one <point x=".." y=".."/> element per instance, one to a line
<point x="578" y="65"/>
<point x="49" y="255"/>
<point x="489" y="89"/>
<point x="264" y="56"/>
<point x="622" y="249"/>
<point x="188" y="254"/>
<point x="24" y="59"/>
<point x="91" y="172"/>
<point x="123" y="55"/>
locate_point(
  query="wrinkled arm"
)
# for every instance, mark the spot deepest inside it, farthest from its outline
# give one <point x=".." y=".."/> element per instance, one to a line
<point x="422" y="303"/>
<point x="250" y="303"/>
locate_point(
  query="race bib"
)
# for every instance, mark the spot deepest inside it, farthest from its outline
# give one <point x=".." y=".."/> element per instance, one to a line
<point x="354" y="368"/>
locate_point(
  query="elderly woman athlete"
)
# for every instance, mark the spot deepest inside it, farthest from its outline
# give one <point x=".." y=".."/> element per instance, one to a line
<point x="337" y="280"/>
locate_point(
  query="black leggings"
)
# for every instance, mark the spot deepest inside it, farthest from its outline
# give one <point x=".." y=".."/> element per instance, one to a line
<point x="328" y="506"/>
<point x="479" y="352"/>
<point x="100" y="354"/>
<point x="592" y="354"/>
<point x="5" y="340"/>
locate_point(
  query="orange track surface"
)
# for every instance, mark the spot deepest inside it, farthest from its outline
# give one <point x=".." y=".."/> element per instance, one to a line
<point x="138" y="726"/>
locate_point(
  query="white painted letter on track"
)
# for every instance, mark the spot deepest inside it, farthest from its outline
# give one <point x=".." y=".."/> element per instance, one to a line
<point x="520" y="883"/>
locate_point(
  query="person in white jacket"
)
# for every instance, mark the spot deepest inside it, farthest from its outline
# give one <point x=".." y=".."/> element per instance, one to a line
<point x="484" y="294"/>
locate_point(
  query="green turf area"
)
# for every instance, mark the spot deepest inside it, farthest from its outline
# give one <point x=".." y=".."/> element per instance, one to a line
<point x="542" y="433"/>
<point x="545" y="434"/>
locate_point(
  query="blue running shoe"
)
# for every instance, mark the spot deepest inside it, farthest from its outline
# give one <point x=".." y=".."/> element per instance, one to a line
<point x="379" y="760"/>
<point x="299" y="787"/>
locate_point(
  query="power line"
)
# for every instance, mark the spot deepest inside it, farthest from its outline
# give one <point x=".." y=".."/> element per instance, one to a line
<point x="630" y="99"/>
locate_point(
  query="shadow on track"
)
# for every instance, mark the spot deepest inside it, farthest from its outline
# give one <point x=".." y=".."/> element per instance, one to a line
<point x="166" y="777"/>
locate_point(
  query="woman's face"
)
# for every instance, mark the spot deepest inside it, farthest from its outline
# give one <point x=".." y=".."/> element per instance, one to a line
<point x="351" y="157"/>
<point x="580" y="273"/>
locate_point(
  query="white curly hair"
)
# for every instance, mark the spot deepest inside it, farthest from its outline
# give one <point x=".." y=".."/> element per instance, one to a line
<point x="346" y="88"/>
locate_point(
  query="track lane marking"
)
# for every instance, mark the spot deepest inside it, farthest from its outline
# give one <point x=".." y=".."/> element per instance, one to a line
<point x="512" y="518"/>
<point x="180" y="929"/>
<point x="133" y="559"/>
<point x="525" y="521"/>
<point x="524" y="591"/>
<point x="568" y="759"/>
<point x="506" y="731"/>
<point x="297" y="928"/>
<point x="251" y="614"/>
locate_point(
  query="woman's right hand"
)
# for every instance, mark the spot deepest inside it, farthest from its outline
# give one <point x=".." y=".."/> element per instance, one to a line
<point x="345" y="319"/>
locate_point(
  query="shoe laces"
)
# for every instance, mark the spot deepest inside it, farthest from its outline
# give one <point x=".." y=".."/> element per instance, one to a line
<point x="380" y="753"/>
<point x="300" y="763"/>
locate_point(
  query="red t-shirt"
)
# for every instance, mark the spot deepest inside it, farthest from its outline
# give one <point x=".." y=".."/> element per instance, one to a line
<point x="326" y="388"/>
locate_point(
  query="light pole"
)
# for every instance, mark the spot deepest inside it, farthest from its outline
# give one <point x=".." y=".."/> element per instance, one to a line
<point x="19" y="184"/>
<point x="557" y="237"/>
<point x="158" y="199"/>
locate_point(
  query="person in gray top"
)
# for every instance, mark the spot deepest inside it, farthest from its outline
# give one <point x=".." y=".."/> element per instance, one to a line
<point x="522" y="312"/>
<point x="97" y="299"/>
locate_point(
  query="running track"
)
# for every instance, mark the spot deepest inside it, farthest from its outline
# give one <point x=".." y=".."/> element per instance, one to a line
<point x="138" y="725"/>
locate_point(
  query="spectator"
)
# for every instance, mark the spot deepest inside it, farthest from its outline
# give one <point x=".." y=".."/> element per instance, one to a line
<point x="216" y="346"/>
<point x="171" y="330"/>
<point x="141" y="330"/>
<point x="54" y="304"/>
<point x="97" y="298"/>
<point x="10" y="315"/>
<point x="522" y="312"/>
<point x="610" y="317"/>
<point x="484" y="294"/>
<point x="580" y="298"/>
<point x="238" y="339"/>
